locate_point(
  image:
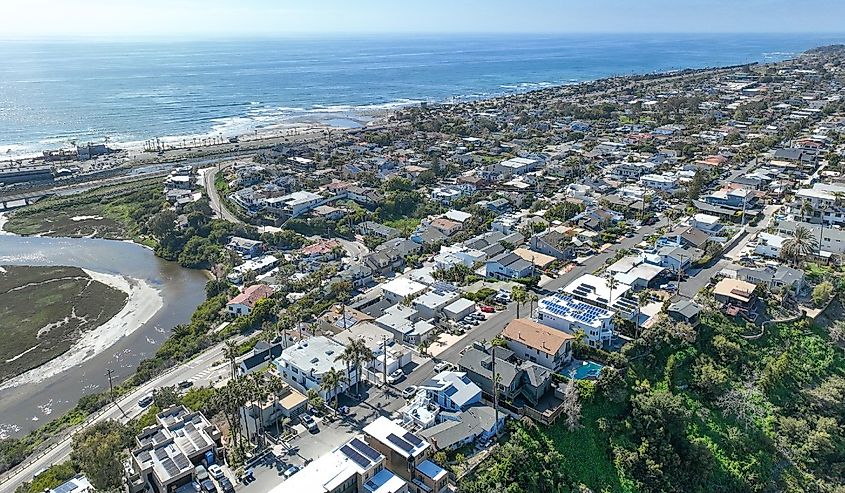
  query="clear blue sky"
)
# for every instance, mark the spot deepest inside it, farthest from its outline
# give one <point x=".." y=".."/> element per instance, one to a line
<point x="132" y="18"/>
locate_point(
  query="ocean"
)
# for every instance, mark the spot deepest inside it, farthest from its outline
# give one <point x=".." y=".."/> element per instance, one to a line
<point x="54" y="93"/>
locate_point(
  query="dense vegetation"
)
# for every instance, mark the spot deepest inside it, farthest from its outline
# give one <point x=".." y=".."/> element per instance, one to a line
<point x="706" y="410"/>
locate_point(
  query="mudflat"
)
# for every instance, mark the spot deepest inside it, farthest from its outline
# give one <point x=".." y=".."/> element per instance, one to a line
<point x="44" y="310"/>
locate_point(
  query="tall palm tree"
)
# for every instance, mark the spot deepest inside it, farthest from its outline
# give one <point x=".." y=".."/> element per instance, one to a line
<point x="518" y="294"/>
<point x="362" y="354"/>
<point x="330" y="383"/>
<point x="533" y="299"/>
<point x="231" y="351"/>
<point x="612" y="283"/>
<point x="275" y="384"/>
<point x="642" y="297"/>
<point x="798" y="247"/>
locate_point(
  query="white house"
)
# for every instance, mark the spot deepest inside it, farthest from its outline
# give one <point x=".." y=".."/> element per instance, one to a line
<point x="295" y="204"/>
<point x="563" y="312"/>
<point x="452" y="390"/>
<point x="430" y="304"/>
<point x="516" y="166"/>
<point x="663" y="182"/>
<point x="707" y="223"/>
<point x="400" y="288"/>
<point x="303" y="365"/>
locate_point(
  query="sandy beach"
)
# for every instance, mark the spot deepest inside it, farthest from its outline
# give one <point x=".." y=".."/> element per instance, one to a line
<point x="143" y="302"/>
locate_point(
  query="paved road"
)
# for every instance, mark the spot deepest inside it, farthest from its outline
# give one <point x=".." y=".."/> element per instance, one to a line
<point x="200" y="370"/>
<point x="214" y="200"/>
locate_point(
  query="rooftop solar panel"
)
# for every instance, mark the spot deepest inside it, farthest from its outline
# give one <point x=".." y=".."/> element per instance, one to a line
<point x="355" y="456"/>
<point x="365" y="449"/>
<point x="411" y="438"/>
<point x="402" y="444"/>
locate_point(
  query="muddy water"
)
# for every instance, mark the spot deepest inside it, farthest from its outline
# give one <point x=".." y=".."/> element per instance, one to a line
<point x="35" y="401"/>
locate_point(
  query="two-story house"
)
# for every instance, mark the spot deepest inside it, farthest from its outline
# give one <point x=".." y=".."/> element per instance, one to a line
<point x="538" y="343"/>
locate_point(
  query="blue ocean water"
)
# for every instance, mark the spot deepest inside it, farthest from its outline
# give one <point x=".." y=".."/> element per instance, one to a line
<point x="52" y="92"/>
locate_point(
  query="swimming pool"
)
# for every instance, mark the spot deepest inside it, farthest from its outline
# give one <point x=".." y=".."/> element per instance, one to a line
<point x="583" y="370"/>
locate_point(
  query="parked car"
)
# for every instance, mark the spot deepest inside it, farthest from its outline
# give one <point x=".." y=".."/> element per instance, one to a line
<point x="146" y="400"/>
<point x="216" y="471"/>
<point x="442" y="366"/>
<point x="226" y="485"/>
<point x="396" y="376"/>
<point x="208" y="486"/>
<point x="290" y="471"/>
<point x="201" y="473"/>
<point x="487" y="309"/>
<point x="411" y="390"/>
<point x="308" y="422"/>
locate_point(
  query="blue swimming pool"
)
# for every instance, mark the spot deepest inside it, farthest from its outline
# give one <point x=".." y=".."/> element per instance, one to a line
<point x="583" y="370"/>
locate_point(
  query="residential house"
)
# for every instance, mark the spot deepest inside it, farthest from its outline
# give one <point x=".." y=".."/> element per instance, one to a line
<point x="398" y="289"/>
<point x="456" y="429"/>
<point x="685" y="311"/>
<point x="774" y="278"/>
<point x="407" y="455"/>
<point x="634" y="271"/>
<point x="245" y="247"/>
<point x="303" y="365"/>
<point x="243" y="303"/>
<point x="538" y="343"/>
<point x="430" y="304"/>
<point x="508" y="265"/>
<point x="354" y="467"/>
<point x="164" y="454"/>
<point x="451" y="390"/>
<point x="553" y="243"/>
<point x="378" y="230"/>
<point x="735" y="292"/>
<point x="294" y="204"/>
<point x="527" y="380"/>
<point x="517" y="166"/>
<point x="565" y="313"/>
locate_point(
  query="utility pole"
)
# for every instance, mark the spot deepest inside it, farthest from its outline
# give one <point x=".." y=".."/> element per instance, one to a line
<point x="384" y="357"/>
<point x="111" y="386"/>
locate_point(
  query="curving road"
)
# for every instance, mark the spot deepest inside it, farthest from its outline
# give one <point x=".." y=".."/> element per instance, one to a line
<point x="214" y="200"/>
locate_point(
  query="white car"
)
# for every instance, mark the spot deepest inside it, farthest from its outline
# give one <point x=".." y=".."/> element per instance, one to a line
<point x="396" y="376"/>
<point x="215" y="471"/>
<point x="442" y="366"/>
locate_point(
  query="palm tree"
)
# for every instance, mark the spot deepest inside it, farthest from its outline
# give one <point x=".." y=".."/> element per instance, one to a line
<point x="274" y="386"/>
<point x="799" y="246"/>
<point x="612" y="283"/>
<point x="355" y="355"/>
<point x="642" y="297"/>
<point x="231" y="351"/>
<point x="519" y="295"/>
<point x="330" y="383"/>
<point x="533" y="299"/>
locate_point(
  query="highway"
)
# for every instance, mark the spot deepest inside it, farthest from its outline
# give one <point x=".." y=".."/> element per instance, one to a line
<point x="200" y="370"/>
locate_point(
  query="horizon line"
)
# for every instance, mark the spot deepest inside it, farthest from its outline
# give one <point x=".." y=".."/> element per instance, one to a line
<point x="151" y="37"/>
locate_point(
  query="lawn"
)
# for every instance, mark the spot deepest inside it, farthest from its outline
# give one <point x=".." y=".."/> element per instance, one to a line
<point x="43" y="311"/>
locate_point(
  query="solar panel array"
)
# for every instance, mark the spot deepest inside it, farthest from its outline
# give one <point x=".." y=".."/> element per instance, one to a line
<point x="402" y="444"/>
<point x="365" y="449"/>
<point x="65" y="488"/>
<point x="411" y="438"/>
<point x="564" y="306"/>
<point x="355" y="456"/>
